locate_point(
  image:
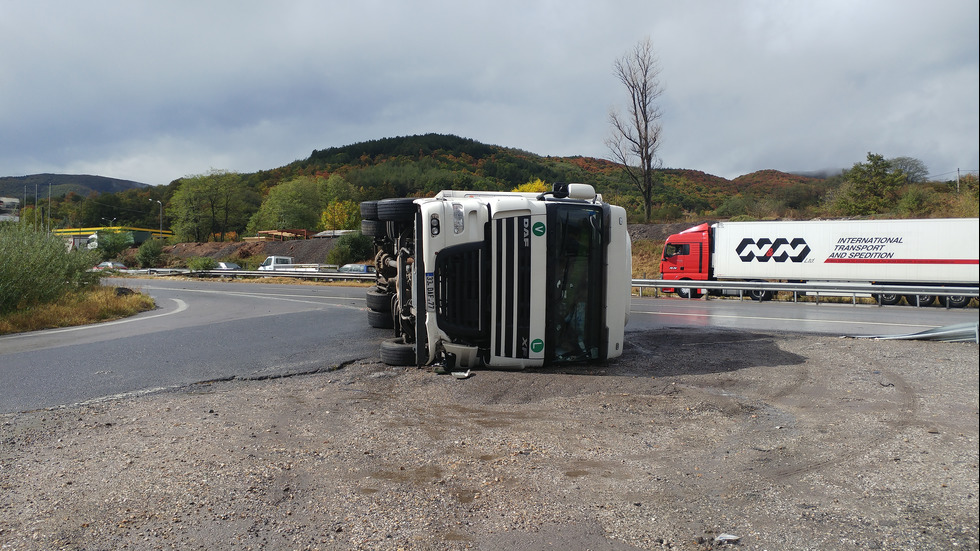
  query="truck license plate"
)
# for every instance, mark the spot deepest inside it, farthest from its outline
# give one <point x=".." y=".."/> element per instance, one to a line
<point x="430" y="292"/>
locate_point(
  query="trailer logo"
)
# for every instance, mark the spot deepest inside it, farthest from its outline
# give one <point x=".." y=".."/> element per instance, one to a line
<point x="778" y="250"/>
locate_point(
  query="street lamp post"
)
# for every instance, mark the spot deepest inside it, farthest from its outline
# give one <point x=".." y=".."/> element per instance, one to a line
<point x="161" y="216"/>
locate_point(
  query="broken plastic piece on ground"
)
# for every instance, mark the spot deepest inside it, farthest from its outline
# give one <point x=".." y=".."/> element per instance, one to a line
<point x="461" y="374"/>
<point x="727" y="538"/>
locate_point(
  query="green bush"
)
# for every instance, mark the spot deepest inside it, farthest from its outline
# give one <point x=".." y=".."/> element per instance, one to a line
<point x="351" y="247"/>
<point x="37" y="267"/>
<point x="202" y="263"/>
<point x="112" y="243"/>
<point x="150" y="253"/>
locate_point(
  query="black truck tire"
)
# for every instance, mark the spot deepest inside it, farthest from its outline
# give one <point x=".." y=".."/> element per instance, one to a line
<point x="397" y="352"/>
<point x="955" y="301"/>
<point x="687" y="292"/>
<point x="396" y="210"/>
<point x="372" y="228"/>
<point x="919" y="300"/>
<point x="378" y="300"/>
<point x="760" y="295"/>
<point x="369" y="210"/>
<point x="380" y="320"/>
<point x="888" y="299"/>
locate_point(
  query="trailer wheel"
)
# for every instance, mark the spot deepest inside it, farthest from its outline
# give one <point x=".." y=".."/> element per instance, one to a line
<point x="687" y="292"/>
<point x="760" y="296"/>
<point x="378" y="300"/>
<point x="888" y="299"/>
<point x="397" y="352"/>
<point x="955" y="301"/>
<point x="380" y="320"/>
<point x="920" y="300"/>
<point x="369" y="210"/>
<point x="372" y="228"/>
<point x="396" y="210"/>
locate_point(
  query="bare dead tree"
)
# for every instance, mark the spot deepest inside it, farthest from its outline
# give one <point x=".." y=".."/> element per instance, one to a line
<point x="635" y="135"/>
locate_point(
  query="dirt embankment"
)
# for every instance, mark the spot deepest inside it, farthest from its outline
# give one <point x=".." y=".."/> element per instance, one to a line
<point x="307" y="251"/>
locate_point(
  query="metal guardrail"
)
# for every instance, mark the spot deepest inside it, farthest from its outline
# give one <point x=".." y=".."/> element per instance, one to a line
<point x="815" y="288"/>
<point x="328" y="276"/>
<point x="827" y="288"/>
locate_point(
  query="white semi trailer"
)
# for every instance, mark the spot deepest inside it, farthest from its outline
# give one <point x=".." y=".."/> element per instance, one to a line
<point x="935" y="252"/>
<point x="502" y="280"/>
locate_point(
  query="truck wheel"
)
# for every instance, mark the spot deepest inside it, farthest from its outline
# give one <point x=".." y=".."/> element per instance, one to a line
<point x="955" y="301"/>
<point x="760" y="296"/>
<point x="396" y="210"/>
<point x="369" y="210"/>
<point x="919" y="300"/>
<point x="372" y="228"/>
<point x="378" y="300"/>
<point x="397" y="352"/>
<point x="888" y="299"/>
<point x="380" y="320"/>
<point x="687" y="292"/>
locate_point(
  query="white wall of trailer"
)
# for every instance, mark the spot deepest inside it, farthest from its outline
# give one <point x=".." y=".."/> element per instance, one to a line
<point x="900" y="251"/>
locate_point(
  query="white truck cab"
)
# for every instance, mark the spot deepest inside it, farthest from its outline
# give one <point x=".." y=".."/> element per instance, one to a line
<point x="502" y="280"/>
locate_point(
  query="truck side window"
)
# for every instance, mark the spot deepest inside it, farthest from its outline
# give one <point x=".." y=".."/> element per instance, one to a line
<point x="673" y="249"/>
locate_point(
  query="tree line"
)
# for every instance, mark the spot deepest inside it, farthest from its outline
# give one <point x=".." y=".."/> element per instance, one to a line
<point x="324" y="190"/>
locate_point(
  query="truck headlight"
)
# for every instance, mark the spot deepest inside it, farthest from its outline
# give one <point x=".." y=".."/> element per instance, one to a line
<point x="458" y="218"/>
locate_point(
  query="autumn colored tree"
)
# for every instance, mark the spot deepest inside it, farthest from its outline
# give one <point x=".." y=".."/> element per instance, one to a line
<point x="341" y="215"/>
<point x="534" y="186"/>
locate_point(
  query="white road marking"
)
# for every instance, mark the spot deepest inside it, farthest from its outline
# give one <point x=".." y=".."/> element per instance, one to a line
<point x="181" y="306"/>
<point x="797" y="320"/>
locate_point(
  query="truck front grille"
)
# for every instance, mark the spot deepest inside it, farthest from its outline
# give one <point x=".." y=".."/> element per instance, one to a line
<point x="512" y="287"/>
<point x="460" y="291"/>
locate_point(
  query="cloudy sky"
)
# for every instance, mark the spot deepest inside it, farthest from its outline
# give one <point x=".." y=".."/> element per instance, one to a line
<point x="155" y="90"/>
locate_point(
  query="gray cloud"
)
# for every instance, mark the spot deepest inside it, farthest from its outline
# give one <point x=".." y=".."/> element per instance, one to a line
<point x="155" y="91"/>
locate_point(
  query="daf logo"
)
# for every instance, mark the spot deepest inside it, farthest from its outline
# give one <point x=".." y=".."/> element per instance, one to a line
<point x="778" y="250"/>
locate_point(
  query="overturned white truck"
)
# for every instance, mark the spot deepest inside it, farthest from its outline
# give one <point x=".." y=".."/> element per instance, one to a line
<point x="500" y="280"/>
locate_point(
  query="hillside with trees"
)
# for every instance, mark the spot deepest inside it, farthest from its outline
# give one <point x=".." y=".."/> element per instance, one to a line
<point x="63" y="184"/>
<point x="323" y="190"/>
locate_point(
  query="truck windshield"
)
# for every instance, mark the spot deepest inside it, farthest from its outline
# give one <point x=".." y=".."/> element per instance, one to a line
<point x="575" y="282"/>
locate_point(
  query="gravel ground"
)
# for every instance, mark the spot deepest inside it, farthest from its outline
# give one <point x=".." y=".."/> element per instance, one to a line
<point x="692" y="440"/>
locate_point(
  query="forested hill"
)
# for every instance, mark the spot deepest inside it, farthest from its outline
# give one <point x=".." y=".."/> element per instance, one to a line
<point x="417" y="165"/>
<point x="425" y="164"/>
<point x="62" y="184"/>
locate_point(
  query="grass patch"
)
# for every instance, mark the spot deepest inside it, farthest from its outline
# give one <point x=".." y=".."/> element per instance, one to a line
<point x="646" y="259"/>
<point x="83" y="307"/>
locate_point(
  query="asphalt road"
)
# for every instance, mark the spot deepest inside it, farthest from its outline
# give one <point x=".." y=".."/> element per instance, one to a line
<point x="206" y="331"/>
<point x="803" y="317"/>
<point x="201" y="331"/>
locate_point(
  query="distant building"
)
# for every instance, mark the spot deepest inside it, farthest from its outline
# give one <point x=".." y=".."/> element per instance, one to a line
<point x="9" y="209"/>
